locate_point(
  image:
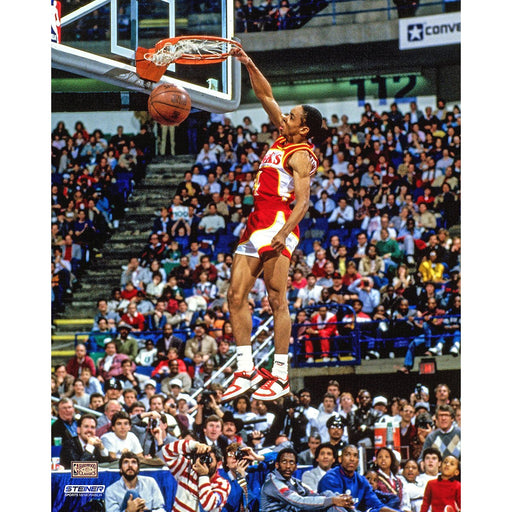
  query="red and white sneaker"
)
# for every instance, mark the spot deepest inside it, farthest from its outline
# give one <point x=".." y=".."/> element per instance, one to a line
<point x="273" y="388"/>
<point x="242" y="382"/>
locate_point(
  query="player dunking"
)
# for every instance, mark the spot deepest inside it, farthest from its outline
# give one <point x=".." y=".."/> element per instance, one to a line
<point x="271" y="236"/>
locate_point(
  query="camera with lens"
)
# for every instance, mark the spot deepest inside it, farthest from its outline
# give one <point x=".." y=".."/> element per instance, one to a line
<point x="206" y="397"/>
<point x="153" y="423"/>
<point x="425" y="424"/>
<point x="204" y="458"/>
<point x="417" y="391"/>
<point x="239" y="454"/>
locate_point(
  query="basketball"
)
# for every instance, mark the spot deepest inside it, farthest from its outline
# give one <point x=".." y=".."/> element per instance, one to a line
<point x="169" y="104"/>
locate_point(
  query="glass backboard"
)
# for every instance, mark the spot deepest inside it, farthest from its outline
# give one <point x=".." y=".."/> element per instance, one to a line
<point x="98" y="39"/>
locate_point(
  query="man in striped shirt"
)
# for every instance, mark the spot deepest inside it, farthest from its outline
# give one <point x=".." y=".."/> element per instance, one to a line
<point x="200" y="487"/>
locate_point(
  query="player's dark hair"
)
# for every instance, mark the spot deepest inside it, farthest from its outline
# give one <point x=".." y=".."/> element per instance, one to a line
<point x="313" y="120"/>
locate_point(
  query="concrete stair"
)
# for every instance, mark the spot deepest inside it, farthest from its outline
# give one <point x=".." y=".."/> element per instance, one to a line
<point x="103" y="273"/>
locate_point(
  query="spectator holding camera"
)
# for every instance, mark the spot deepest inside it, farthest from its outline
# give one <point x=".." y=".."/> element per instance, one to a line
<point x="236" y="461"/>
<point x="154" y="429"/>
<point x="424" y="425"/>
<point x="195" y="467"/>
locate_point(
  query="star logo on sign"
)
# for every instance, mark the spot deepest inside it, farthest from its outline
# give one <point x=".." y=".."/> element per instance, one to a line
<point x="415" y="32"/>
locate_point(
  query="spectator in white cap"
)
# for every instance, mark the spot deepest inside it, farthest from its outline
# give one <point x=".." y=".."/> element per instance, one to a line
<point x="380" y="403"/>
<point x="176" y="390"/>
<point x="149" y="391"/>
<point x="173" y="374"/>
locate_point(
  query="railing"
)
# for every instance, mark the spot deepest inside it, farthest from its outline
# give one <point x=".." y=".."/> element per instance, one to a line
<point x="80" y="408"/>
<point x="302" y="11"/>
<point x="346" y="346"/>
<point x="230" y="362"/>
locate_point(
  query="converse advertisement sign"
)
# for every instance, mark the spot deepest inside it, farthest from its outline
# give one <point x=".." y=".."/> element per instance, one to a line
<point x="425" y="31"/>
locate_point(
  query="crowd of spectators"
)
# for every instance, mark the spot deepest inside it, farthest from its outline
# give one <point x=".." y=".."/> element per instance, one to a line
<point x="379" y="252"/>
<point x="92" y="178"/>
<point x="250" y="15"/>
<point x="385" y="248"/>
<point x="399" y="443"/>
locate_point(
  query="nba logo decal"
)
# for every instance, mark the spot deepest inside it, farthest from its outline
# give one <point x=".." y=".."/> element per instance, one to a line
<point x="81" y="469"/>
<point x="55" y="21"/>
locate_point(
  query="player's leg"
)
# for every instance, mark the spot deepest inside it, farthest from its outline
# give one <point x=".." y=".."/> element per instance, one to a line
<point x="244" y="272"/>
<point x="275" y="273"/>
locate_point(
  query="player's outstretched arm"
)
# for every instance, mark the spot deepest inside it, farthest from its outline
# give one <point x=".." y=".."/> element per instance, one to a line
<point x="261" y="87"/>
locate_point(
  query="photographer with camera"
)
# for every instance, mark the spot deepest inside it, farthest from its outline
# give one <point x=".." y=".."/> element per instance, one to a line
<point x="207" y="405"/>
<point x="195" y="466"/>
<point x="154" y="429"/>
<point x="236" y="461"/>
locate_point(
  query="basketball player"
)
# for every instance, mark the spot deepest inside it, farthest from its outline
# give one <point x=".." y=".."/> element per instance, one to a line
<point x="271" y="236"/>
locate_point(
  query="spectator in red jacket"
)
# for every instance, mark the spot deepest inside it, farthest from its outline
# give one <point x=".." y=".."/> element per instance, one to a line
<point x="322" y="329"/>
<point x="133" y="318"/>
<point x="79" y="361"/>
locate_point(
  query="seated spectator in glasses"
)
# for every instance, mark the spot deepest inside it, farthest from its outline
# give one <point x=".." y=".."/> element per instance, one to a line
<point x="446" y="437"/>
<point x="65" y="426"/>
<point x="281" y="491"/>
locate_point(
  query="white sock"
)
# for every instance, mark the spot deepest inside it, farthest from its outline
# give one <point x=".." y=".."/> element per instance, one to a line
<point x="244" y="358"/>
<point x="280" y="367"/>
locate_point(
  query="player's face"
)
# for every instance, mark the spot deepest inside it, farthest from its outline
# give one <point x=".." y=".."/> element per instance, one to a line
<point x="293" y="122"/>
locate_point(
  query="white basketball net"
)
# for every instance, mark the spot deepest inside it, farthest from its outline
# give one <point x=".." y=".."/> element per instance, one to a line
<point x="191" y="49"/>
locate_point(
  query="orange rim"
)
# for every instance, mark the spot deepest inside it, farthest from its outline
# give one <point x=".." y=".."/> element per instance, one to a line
<point x="193" y="58"/>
